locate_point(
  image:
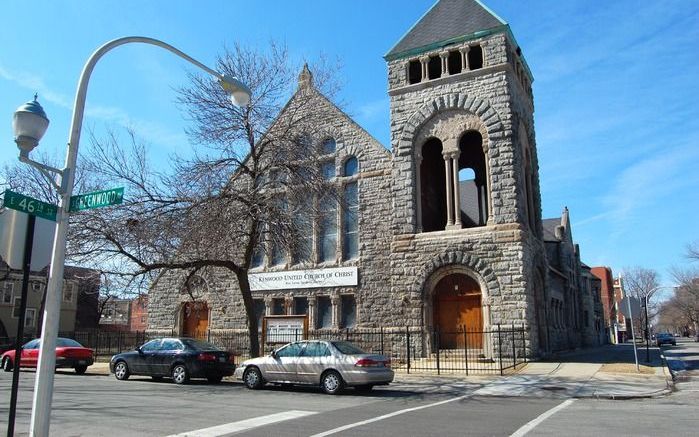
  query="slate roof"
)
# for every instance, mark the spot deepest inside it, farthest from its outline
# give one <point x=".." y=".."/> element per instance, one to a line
<point x="550" y="226"/>
<point x="445" y="21"/>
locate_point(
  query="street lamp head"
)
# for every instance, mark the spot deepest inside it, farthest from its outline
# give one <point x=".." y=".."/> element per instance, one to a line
<point x="29" y="124"/>
<point x="240" y="93"/>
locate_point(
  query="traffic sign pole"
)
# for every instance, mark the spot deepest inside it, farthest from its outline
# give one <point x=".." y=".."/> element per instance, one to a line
<point x="26" y="267"/>
<point x="633" y="336"/>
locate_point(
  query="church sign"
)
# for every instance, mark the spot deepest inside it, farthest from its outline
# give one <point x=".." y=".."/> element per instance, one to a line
<point x="317" y="278"/>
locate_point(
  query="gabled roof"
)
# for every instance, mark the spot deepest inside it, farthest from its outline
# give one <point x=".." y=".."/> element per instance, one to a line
<point x="447" y="21"/>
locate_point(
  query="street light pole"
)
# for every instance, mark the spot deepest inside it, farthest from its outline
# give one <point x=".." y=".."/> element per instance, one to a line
<point x="43" y="389"/>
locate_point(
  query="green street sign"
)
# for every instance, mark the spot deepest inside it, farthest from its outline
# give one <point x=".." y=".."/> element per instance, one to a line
<point x="29" y="205"/>
<point x="97" y="199"/>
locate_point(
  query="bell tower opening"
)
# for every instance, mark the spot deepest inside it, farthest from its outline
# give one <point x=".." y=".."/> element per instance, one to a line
<point x="473" y="181"/>
<point x="433" y="190"/>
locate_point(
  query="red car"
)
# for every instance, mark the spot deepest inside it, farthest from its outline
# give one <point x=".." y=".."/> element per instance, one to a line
<point x="69" y="354"/>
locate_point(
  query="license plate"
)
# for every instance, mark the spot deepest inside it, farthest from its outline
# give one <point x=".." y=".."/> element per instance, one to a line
<point x="82" y="362"/>
<point x="222" y="359"/>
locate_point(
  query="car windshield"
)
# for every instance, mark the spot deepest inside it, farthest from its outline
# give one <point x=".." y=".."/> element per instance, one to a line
<point x="200" y="345"/>
<point x="67" y="342"/>
<point x="347" y="348"/>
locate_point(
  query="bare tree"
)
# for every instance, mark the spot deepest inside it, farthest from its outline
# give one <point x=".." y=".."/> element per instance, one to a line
<point x="693" y="251"/>
<point x="643" y="283"/>
<point x="686" y="296"/>
<point x="256" y="186"/>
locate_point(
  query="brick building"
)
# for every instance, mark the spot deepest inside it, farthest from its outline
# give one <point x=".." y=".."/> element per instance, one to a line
<point x="443" y="230"/>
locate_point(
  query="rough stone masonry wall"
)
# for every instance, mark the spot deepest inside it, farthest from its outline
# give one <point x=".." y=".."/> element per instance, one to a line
<point x="375" y="207"/>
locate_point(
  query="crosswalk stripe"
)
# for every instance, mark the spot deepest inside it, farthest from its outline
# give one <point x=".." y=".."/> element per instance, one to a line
<point x="243" y="425"/>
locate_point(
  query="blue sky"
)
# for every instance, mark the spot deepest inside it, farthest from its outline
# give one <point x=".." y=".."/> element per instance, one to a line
<point x="615" y="91"/>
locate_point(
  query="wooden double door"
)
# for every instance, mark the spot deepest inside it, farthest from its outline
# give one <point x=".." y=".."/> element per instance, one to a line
<point x="195" y="319"/>
<point x="458" y="314"/>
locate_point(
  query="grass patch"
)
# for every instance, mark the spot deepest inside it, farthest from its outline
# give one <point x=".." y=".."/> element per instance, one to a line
<point x="626" y="368"/>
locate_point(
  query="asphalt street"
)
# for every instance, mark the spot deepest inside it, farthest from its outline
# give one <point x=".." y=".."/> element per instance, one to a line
<point x="96" y="405"/>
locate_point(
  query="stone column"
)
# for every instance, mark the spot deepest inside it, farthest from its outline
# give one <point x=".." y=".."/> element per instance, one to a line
<point x="424" y="60"/>
<point x="418" y="191"/>
<point x="312" y="312"/>
<point x="464" y="58"/>
<point x="289" y="304"/>
<point x="335" y="311"/>
<point x="268" y="305"/>
<point x="444" y="56"/>
<point x="457" y="196"/>
<point x="448" y="182"/>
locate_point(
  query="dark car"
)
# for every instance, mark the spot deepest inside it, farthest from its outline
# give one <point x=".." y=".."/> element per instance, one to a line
<point x="177" y="358"/>
<point x="665" y="338"/>
<point x="69" y="354"/>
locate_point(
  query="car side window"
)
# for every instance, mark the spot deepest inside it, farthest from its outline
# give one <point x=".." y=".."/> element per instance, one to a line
<point x="291" y="350"/>
<point x="316" y="349"/>
<point x="171" y="345"/>
<point x="151" y="346"/>
<point x="34" y="344"/>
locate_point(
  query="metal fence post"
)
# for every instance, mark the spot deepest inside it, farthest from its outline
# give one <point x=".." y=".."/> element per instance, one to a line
<point x="436" y="336"/>
<point x="466" y="348"/>
<point x="119" y="341"/>
<point x="514" y="347"/>
<point x="208" y="335"/>
<point x="524" y="345"/>
<point x="407" y="345"/>
<point x="500" y="349"/>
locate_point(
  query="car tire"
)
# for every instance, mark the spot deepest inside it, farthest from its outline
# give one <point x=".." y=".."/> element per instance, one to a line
<point x="7" y="364"/>
<point x="366" y="388"/>
<point x="214" y="379"/>
<point x="180" y="375"/>
<point x="253" y="378"/>
<point x="121" y="371"/>
<point x="331" y="382"/>
<point x="80" y="370"/>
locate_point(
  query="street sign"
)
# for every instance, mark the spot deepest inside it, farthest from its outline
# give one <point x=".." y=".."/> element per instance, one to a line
<point x="29" y="205"/>
<point x="97" y="199"/>
<point x="13" y="229"/>
<point x="635" y="307"/>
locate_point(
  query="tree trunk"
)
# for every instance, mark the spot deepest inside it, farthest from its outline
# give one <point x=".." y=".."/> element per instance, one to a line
<point x="244" y="285"/>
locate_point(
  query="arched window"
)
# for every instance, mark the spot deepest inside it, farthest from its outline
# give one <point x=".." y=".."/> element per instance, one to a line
<point x="351" y="166"/>
<point x="350" y="222"/>
<point x="328" y="146"/>
<point x="473" y="195"/>
<point x="328" y="230"/>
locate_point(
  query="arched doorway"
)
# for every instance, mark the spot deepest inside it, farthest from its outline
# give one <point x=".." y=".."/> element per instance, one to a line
<point x="457" y="307"/>
<point x="195" y="318"/>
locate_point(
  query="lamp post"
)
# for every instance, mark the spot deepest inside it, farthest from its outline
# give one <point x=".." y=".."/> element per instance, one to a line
<point x="29" y="126"/>
<point x="647" y="297"/>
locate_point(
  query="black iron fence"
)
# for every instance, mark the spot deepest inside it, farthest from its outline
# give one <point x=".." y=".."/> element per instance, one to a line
<point x="495" y="350"/>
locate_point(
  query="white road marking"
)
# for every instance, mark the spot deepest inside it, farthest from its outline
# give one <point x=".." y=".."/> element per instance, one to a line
<point x="533" y="423"/>
<point x="387" y="416"/>
<point x="243" y="425"/>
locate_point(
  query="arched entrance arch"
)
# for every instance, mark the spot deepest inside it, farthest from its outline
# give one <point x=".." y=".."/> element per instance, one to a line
<point x="195" y="319"/>
<point x="457" y="300"/>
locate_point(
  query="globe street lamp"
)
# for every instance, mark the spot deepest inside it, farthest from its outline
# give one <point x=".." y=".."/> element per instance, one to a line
<point x="30" y="123"/>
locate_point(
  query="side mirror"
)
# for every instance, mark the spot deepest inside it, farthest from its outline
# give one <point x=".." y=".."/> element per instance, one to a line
<point x="138" y="349"/>
<point x="274" y="354"/>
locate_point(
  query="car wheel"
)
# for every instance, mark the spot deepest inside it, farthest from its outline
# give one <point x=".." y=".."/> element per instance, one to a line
<point x="121" y="371"/>
<point x="80" y="369"/>
<point x="253" y="378"/>
<point x="331" y="382"/>
<point x="7" y="364"/>
<point x="180" y="374"/>
<point x="214" y="379"/>
<point x="364" y="388"/>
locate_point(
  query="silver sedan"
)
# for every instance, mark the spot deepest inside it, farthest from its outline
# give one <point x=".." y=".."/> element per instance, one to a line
<point x="333" y="365"/>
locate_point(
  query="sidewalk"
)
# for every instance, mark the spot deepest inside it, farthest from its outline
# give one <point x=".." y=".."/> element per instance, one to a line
<point x="606" y="372"/>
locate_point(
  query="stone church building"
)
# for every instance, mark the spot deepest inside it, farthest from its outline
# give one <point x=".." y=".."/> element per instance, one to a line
<point x="444" y="229"/>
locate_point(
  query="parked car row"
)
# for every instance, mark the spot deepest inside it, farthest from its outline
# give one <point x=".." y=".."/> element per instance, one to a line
<point x="330" y="365"/>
